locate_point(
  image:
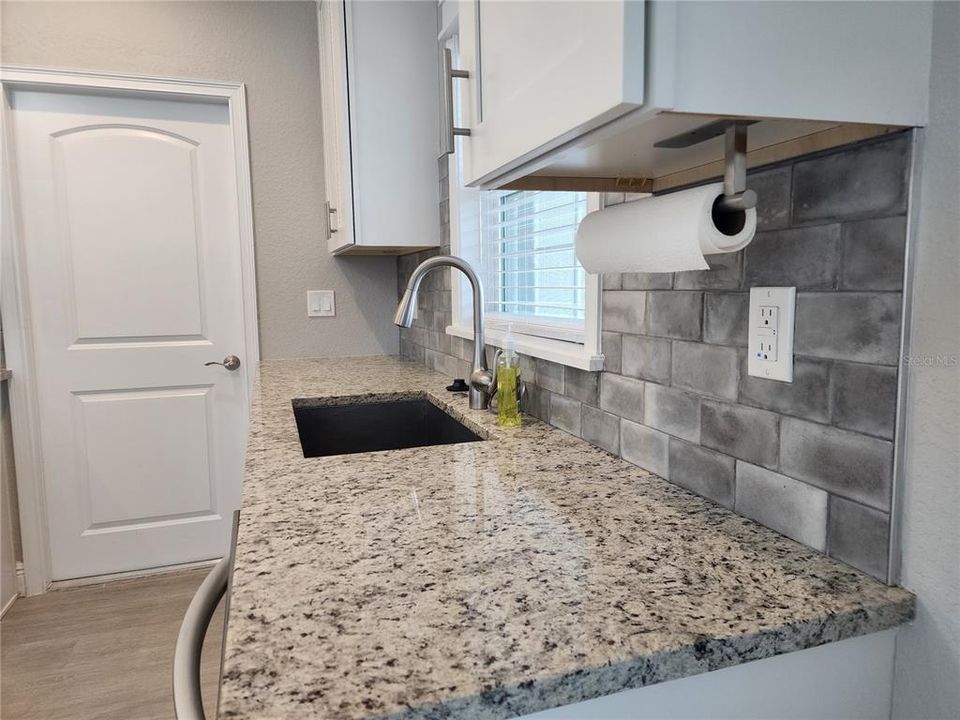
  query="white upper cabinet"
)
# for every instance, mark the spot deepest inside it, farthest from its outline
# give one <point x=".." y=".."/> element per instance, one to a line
<point x="545" y="73"/>
<point x="588" y="89"/>
<point x="380" y="103"/>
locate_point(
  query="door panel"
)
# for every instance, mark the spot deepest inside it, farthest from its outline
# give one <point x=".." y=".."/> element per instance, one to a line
<point x="132" y="253"/>
<point x="112" y="217"/>
<point x="118" y="430"/>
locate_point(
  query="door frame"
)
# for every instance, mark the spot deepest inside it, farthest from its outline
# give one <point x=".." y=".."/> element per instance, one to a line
<point x="14" y="299"/>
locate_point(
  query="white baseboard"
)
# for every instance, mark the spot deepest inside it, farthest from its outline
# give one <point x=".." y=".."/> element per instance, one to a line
<point x="21" y="586"/>
<point x="130" y="575"/>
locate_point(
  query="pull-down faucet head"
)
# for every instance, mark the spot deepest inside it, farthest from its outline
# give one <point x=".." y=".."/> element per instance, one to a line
<point x="481" y="379"/>
<point x="404" y="314"/>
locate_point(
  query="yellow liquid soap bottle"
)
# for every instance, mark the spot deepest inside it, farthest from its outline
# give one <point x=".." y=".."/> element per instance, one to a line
<point x="508" y="383"/>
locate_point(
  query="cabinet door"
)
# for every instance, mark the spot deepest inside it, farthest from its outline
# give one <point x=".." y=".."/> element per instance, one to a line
<point x="338" y="176"/>
<point x="542" y="74"/>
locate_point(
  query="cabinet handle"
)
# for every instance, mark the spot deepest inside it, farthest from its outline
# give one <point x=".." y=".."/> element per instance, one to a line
<point x="331" y="214"/>
<point x="449" y="130"/>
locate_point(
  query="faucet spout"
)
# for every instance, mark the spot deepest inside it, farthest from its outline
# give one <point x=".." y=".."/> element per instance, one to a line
<point x="404" y="314"/>
<point x="481" y="379"/>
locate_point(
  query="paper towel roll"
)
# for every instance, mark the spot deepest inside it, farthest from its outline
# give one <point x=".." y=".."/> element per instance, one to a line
<point x="667" y="233"/>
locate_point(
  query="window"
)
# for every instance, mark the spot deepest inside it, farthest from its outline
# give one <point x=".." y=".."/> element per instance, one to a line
<point x="527" y="260"/>
<point x="521" y="243"/>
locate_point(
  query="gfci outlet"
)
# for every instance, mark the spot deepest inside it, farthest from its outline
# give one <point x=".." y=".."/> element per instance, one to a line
<point x="770" y="351"/>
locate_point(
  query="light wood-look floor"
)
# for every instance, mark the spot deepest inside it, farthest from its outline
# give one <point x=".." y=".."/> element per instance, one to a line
<point x="102" y="652"/>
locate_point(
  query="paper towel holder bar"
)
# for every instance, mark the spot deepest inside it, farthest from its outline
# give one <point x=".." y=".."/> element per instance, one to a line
<point x="736" y="197"/>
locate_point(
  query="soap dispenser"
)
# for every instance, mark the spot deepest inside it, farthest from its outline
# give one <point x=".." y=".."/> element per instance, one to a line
<point x="508" y="383"/>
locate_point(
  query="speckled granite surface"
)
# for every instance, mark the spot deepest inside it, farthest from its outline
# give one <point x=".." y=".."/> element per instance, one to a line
<point x="493" y="579"/>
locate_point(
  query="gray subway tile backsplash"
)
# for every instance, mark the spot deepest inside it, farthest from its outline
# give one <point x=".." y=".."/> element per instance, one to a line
<point x="773" y="197"/>
<point x="623" y="311"/>
<point x="646" y="358"/>
<point x="646" y="447"/>
<point x="611" y="345"/>
<point x="865" y="398"/>
<point x="646" y="281"/>
<point x="807" y="258"/>
<point x="622" y="396"/>
<point x="582" y="385"/>
<point x="859" y="535"/>
<point x="839" y="461"/>
<point x="536" y="400"/>
<point x="600" y="428"/>
<point x="550" y="376"/>
<point x="862" y="327"/>
<point x="725" y="317"/>
<point x="873" y="254"/>
<point x="812" y="458"/>
<point x="528" y="365"/>
<point x="789" y="506"/>
<point x="673" y="314"/>
<point x="746" y="433"/>
<point x="708" y="369"/>
<point x="808" y="396"/>
<point x="705" y="472"/>
<point x="673" y="411"/>
<point x="725" y="273"/>
<point x="612" y="281"/>
<point x="869" y="180"/>
<point x="565" y="413"/>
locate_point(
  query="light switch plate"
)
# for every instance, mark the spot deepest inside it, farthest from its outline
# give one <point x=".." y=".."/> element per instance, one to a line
<point x="321" y="303"/>
<point x="770" y="349"/>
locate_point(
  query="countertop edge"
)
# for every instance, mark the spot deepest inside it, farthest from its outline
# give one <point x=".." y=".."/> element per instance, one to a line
<point x="685" y="661"/>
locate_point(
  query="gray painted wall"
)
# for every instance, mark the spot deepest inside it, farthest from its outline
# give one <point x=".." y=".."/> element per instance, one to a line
<point x="928" y="650"/>
<point x="811" y="459"/>
<point x="272" y="47"/>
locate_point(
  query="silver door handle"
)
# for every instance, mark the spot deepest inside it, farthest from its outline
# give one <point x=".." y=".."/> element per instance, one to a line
<point x="449" y="130"/>
<point x="230" y="362"/>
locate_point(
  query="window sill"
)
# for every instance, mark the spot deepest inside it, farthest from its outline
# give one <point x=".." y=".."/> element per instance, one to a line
<point x="558" y="351"/>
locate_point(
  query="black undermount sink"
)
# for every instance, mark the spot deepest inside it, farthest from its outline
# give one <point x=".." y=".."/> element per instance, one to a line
<point x="341" y="429"/>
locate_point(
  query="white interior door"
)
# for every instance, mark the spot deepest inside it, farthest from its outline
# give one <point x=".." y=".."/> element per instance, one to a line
<point x="129" y="216"/>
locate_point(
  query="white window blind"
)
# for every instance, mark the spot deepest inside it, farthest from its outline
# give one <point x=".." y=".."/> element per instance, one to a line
<point x="522" y="245"/>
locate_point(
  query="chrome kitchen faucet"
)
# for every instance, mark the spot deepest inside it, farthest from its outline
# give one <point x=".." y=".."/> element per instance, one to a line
<point x="482" y="381"/>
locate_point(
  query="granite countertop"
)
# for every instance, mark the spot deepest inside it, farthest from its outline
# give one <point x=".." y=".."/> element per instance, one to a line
<point x="493" y="579"/>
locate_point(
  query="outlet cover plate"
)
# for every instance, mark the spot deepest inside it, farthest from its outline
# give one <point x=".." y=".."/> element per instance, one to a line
<point x="770" y="348"/>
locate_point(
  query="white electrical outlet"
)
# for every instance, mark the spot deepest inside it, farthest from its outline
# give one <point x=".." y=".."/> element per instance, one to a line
<point x="321" y="303"/>
<point x="769" y="315"/>
<point x="766" y="347"/>
<point x="770" y="339"/>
